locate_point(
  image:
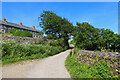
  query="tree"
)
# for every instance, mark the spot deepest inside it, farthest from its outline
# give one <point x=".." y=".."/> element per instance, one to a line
<point x="53" y="24"/>
<point x="51" y="36"/>
<point x="41" y="33"/>
<point x="88" y="37"/>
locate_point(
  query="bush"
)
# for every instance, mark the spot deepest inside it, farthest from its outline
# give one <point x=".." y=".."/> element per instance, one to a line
<point x="103" y="69"/>
<point x="26" y="34"/>
<point x="17" y="33"/>
<point x="42" y="42"/>
<point x="13" y="31"/>
<point x="58" y="42"/>
<point x="13" y="52"/>
<point x="53" y="43"/>
<point x="22" y="33"/>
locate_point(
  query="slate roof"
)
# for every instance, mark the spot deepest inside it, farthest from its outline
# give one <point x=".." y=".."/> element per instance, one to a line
<point x="18" y="26"/>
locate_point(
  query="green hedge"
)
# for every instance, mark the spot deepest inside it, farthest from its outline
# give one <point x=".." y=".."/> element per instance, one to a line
<point x="13" y="52"/>
<point x="26" y="34"/>
<point x="16" y="32"/>
<point x="13" y="31"/>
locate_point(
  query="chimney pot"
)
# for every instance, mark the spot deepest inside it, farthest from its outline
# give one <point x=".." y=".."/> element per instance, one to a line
<point x="20" y="23"/>
<point x="4" y="19"/>
<point x="33" y="26"/>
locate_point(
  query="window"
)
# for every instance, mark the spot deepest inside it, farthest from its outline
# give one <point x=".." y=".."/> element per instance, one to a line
<point x="3" y="31"/>
<point x="34" y="35"/>
<point x="34" y="32"/>
<point x="11" y="27"/>
<point x="21" y="29"/>
<point x="3" y="26"/>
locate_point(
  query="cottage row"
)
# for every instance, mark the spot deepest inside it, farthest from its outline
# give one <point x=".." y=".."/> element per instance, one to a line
<point x="6" y="26"/>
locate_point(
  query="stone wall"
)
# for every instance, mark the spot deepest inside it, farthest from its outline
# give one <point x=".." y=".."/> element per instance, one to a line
<point x="19" y="39"/>
<point x="92" y="57"/>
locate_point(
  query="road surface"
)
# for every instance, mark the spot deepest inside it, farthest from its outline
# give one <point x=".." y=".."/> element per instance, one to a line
<point x="51" y="67"/>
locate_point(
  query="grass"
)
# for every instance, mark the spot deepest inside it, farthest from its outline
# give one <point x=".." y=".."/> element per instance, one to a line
<point x="36" y="37"/>
<point x="7" y="34"/>
<point x="13" y="60"/>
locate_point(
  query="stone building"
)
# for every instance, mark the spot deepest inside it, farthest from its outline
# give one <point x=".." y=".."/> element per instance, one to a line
<point x="6" y="26"/>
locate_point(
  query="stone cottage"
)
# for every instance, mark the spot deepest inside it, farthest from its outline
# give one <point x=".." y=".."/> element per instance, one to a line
<point x="6" y="26"/>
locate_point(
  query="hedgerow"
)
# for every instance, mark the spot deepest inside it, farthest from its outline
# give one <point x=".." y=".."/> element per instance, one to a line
<point x="16" y="32"/>
<point x="13" y="52"/>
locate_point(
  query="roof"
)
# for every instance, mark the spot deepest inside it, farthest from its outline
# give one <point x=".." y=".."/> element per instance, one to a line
<point x="18" y="26"/>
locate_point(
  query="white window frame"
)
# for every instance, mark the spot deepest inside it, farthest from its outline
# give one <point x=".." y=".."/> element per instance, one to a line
<point x="2" y="30"/>
<point x="21" y="29"/>
<point x="3" y="26"/>
<point x="11" y="28"/>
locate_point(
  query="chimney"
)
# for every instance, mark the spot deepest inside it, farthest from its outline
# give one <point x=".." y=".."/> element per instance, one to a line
<point x="20" y="23"/>
<point x="33" y="26"/>
<point x="4" y="19"/>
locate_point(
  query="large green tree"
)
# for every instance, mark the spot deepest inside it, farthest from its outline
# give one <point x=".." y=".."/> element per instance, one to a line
<point x="88" y="37"/>
<point x="54" y="25"/>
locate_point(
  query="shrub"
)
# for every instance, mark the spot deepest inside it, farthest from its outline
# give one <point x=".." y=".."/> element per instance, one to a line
<point x="12" y="52"/>
<point x="56" y="43"/>
<point x="70" y="53"/>
<point x="26" y="34"/>
<point x="103" y="69"/>
<point x="13" y="30"/>
<point x="42" y="42"/>
<point x="22" y="33"/>
<point x="17" y="33"/>
<point x="53" y="43"/>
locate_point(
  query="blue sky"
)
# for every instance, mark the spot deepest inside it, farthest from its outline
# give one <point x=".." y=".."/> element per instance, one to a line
<point x="98" y="14"/>
<point x="60" y="0"/>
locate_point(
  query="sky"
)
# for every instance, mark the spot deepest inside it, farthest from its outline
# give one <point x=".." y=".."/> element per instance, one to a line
<point x="60" y="0"/>
<point x="98" y="14"/>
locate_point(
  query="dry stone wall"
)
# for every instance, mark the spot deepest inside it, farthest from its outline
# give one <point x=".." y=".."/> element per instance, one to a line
<point x="19" y="39"/>
<point x="92" y="57"/>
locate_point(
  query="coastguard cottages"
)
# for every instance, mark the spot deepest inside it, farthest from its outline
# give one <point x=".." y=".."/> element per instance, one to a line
<point x="6" y="26"/>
